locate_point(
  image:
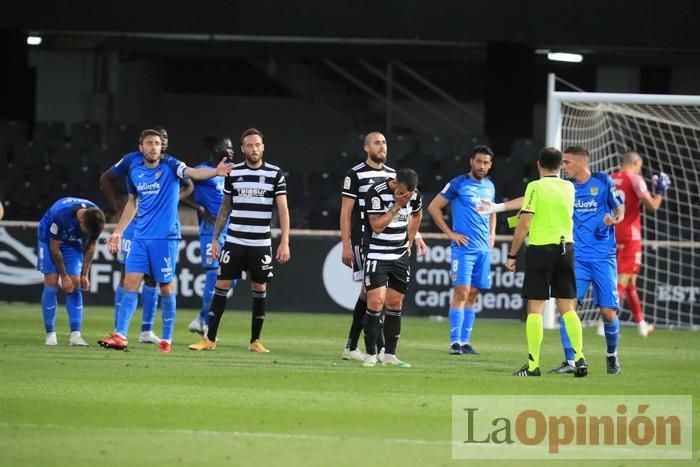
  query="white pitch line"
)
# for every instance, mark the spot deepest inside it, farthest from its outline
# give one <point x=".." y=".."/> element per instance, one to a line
<point x="242" y="434"/>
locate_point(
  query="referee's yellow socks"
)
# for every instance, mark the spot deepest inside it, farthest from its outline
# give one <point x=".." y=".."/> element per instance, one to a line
<point x="574" y="331"/>
<point x="535" y="334"/>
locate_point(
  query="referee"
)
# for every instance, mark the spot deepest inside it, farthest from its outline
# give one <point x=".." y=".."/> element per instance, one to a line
<point x="547" y="215"/>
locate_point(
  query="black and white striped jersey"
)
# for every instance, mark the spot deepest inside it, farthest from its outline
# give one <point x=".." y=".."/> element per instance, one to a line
<point x="392" y="242"/>
<point x="253" y="193"/>
<point x="355" y="184"/>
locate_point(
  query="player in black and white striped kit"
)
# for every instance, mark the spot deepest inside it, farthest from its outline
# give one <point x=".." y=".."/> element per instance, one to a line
<point x="356" y="182"/>
<point x="393" y="212"/>
<point x="251" y="189"/>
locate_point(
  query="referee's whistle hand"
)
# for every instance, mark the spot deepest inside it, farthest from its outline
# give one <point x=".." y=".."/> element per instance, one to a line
<point x="510" y="264"/>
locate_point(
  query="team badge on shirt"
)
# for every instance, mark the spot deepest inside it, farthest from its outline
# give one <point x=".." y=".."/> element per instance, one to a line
<point x="262" y="179"/>
<point x="594" y="191"/>
<point x="376" y="203"/>
<point x="157" y="175"/>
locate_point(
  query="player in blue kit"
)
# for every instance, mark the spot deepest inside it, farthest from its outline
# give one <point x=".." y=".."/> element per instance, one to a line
<point x="596" y="211"/>
<point x="208" y="196"/>
<point x="67" y="236"/>
<point x="153" y="198"/>
<point x="473" y="234"/>
<point x="149" y="292"/>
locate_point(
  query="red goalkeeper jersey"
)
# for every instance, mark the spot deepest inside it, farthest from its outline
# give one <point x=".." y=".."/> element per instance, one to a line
<point x="632" y="189"/>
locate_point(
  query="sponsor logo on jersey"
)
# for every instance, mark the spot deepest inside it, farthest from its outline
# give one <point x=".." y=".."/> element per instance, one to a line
<point x="251" y="192"/>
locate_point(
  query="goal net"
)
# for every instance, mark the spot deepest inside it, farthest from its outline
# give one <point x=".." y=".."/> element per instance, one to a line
<point x="665" y="130"/>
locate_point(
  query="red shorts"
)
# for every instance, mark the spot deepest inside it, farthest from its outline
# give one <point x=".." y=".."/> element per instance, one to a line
<point x="629" y="257"/>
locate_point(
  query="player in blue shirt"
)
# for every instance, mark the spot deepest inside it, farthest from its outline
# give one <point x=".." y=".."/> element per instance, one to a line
<point x="208" y="196"/>
<point x="67" y="235"/>
<point x="153" y="199"/>
<point x="472" y="234"/>
<point x="149" y="292"/>
<point x="596" y="211"/>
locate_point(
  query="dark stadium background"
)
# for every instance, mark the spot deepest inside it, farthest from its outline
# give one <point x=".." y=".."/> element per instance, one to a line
<point x="437" y="77"/>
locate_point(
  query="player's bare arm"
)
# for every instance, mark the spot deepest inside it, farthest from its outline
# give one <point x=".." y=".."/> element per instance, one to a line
<point x="380" y="222"/>
<point x="436" y="209"/>
<point x="107" y="186"/>
<point x="346" y="207"/>
<point x="202" y="173"/>
<point x="127" y="216"/>
<point x="413" y="225"/>
<point x="518" y="238"/>
<point x="88" y="254"/>
<point x="283" y="255"/>
<point x="617" y="216"/>
<point x="186" y="189"/>
<point x="57" y="256"/>
<point x="221" y="218"/>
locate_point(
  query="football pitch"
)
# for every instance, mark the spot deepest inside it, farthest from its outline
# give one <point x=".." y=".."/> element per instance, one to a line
<point x="298" y="405"/>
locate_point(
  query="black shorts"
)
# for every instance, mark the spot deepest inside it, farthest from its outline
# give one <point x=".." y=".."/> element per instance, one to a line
<point x="548" y="273"/>
<point x="395" y="274"/>
<point x="358" y="262"/>
<point x="237" y="259"/>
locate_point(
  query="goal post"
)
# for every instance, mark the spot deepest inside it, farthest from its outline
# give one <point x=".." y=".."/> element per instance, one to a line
<point x="665" y="130"/>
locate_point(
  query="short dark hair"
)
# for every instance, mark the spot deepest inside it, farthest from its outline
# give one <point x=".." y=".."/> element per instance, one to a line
<point x="251" y="131"/>
<point x="151" y="132"/>
<point x="576" y="151"/>
<point x="550" y="158"/>
<point x="407" y="177"/>
<point x="94" y="221"/>
<point x="482" y="149"/>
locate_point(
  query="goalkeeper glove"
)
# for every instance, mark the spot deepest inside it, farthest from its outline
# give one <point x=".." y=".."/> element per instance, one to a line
<point x="661" y="183"/>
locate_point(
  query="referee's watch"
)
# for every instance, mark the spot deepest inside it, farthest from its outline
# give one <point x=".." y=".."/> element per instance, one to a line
<point x="512" y="256"/>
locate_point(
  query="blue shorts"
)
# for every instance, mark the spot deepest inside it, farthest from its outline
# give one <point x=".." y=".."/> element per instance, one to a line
<point x="602" y="273"/>
<point x="208" y="262"/>
<point x="473" y="269"/>
<point x="72" y="258"/>
<point x="155" y="258"/>
<point x="125" y="244"/>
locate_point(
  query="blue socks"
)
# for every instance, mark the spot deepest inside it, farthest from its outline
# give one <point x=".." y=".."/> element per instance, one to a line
<point x="467" y="325"/>
<point x="149" y="301"/>
<point x="569" y="353"/>
<point x="74" y="304"/>
<point x="456" y="324"/>
<point x="118" y="294"/>
<point x="207" y="294"/>
<point x="127" y="307"/>
<point x="48" y="307"/>
<point x="612" y="333"/>
<point x="167" y="303"/>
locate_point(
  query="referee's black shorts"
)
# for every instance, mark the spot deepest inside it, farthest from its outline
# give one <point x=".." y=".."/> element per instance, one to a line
<point x="548" y="273"/>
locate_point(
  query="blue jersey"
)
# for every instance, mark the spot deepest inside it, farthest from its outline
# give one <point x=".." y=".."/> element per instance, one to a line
<point x="122" y="166"/>
<point x="210" y="194"/>
<point x="464" y="194"/>
<point x="594" y="199"/>
<point x="60" y="221"/>
<point x="157" y="190"/>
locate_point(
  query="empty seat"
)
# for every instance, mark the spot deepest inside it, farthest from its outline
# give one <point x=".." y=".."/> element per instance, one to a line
<point x="13" y="131"/>
<point x="30" y="155"/>
<point x="85" y="135"/>
<point x="525" y="149"/>
<point x="122" y="136"/>
<point x="49" y="134"/>
<point x="402" y="145"/>
<point x="67" y="156"/>
<point x="466" y="143"/>
<point x="439" y="147"/>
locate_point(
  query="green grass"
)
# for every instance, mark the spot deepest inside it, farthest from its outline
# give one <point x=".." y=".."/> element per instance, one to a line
<point x="298" y="405"/>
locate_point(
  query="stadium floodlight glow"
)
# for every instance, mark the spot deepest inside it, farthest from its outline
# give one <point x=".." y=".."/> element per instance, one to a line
<point x="33" y="40"/>
<point x="565" y="57"/>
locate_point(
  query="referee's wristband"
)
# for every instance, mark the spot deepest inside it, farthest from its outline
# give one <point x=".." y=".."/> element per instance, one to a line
<point x="512" y="256"/>
<point x="500" y="207"/>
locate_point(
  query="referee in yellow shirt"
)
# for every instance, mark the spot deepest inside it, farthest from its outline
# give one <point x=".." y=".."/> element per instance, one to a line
<point x="547" y="214"/>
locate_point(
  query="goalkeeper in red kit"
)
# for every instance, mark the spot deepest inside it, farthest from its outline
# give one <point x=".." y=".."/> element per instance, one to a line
<point x="633" y="190"/>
